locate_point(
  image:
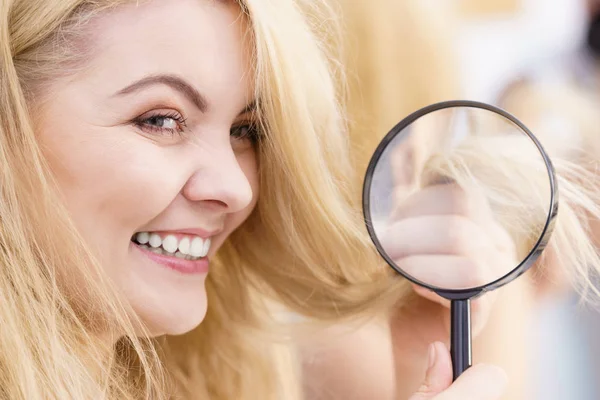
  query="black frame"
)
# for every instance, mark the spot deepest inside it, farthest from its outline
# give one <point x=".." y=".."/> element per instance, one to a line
<point x="470" y="293"/>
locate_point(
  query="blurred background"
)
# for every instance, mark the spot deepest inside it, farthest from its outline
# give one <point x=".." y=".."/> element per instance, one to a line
<point x="541" y="56"/>
<point x="538" y="59"/>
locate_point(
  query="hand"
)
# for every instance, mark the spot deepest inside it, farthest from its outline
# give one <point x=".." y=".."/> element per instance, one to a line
<point x="445" y="236"/>
<point x="448" y="238"/>
<point x="480" y="382"/>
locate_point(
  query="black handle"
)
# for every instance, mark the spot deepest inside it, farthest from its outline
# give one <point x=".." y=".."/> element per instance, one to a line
<point x="460" y="336"/>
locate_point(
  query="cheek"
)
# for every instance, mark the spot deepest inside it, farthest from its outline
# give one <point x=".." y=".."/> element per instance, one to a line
<point x="111" y="179"/>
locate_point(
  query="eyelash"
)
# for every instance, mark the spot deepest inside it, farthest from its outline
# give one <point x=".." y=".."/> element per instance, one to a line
<point x="143" y="123"/>
<point x="253" y="131"/>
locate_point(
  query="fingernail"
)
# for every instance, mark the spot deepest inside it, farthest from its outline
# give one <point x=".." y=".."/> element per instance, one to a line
<point x="431" y="355"/>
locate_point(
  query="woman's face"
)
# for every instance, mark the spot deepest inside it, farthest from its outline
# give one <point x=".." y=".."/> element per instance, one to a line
<point x="152" y="152"/>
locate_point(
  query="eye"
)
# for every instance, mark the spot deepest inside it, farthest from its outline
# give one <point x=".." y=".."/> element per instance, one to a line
<point x="166" y="123"/>
<point x="246" y="132"/>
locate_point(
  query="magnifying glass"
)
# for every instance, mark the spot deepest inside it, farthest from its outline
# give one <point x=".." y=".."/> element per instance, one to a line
<point x="473" y="147"/>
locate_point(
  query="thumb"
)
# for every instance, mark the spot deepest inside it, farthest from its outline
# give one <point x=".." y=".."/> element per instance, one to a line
<point x="439" y="373"/>
<point x="481" y="382"/>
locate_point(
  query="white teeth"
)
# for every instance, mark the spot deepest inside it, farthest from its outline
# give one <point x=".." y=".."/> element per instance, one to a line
<point x="205" y="247"/>
<point x="196" y="247"/>
<point x="187" y="247"/>
<point x="170" y="244"/>
<point x="142" y="237"/>
<point x="184" y="245"/>
<point x="156" y="250"/>
<point x="155" y="240"/>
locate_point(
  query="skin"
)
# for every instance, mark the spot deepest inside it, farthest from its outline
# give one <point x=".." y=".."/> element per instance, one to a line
<point x="391" y="360"/>
<point x="125" y="164"/>
<point x="434" y="226"/>
<point x="123" y="167"/>
<point x="482" y="382"/>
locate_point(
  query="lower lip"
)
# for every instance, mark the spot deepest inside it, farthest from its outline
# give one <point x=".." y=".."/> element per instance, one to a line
<point x="191" y="267"/>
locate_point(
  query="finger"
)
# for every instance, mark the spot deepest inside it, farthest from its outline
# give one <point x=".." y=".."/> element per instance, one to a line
<point x="443" y="234"/>
<point x="445" y="199"/>
<point x="404" y="161"/>
<point x="439" y="373"/>
<point x="409" y="156"/>
<point x="448" y="272"/>
<point x="481" y="382"/>
<point x="451" y="199"/>
<point x="451" y="236"/>
<point x="436" y="200"/>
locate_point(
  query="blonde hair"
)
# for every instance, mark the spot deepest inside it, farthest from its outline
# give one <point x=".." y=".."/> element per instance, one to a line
<point x="564" y="116"/>
<point x="474" y="8"/>
<point x="514" y="179"/>
<point x="400" y="57"/>
<point x="303" y="246"/>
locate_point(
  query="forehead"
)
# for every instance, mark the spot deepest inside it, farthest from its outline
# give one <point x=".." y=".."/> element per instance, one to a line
<point x="205" y="42"/>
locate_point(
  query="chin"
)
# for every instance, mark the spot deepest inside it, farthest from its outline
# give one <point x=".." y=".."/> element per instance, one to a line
<point x="177" y="322"/>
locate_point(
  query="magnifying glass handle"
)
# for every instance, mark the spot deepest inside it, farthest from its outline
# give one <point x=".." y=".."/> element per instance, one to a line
<point x="460" y="336"/>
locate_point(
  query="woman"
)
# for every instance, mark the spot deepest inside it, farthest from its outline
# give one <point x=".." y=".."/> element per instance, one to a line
<point x="137" y="140"/>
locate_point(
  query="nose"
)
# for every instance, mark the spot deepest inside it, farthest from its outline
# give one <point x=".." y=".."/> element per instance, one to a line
<point x="222" y="180"/>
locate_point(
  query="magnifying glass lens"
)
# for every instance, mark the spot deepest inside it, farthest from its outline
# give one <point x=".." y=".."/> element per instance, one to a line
<point x="448" y="178"/>
<point x="449" y="189"/>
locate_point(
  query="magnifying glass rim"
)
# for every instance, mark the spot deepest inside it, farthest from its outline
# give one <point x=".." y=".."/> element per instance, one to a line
<point x="526" y="263"/>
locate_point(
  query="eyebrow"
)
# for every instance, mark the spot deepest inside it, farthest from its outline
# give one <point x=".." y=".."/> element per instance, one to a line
<point x="172" y="81"/>
<point x="180" y="85"/>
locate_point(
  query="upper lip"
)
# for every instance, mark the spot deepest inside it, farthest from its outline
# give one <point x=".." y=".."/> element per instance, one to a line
<point x="203" y="233"/>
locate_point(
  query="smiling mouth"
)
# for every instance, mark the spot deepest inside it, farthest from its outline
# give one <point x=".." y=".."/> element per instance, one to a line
<point x="187" y="247"/>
